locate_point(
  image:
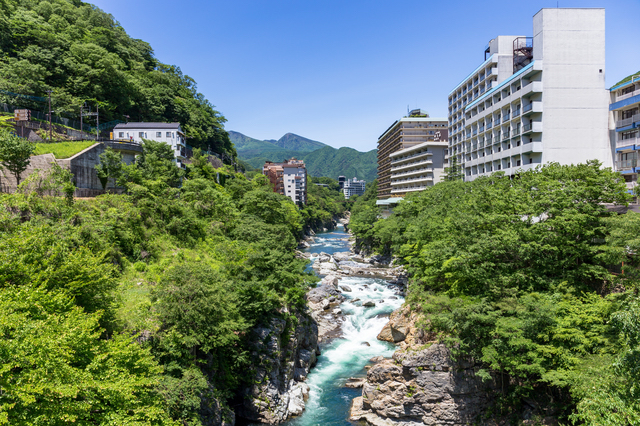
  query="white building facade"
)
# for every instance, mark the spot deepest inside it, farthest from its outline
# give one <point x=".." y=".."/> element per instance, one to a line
<point x="625" y="129"/>
<point x="535" y="99"/>
<point x="295" y="181"/>
<point x="353" y="187"/>
<point x="169" y="133"/>
<point x="417" y="167"/>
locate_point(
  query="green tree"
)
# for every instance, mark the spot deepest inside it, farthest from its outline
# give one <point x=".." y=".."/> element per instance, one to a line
<point x="454" y="170"/>
<point x="15" y="153"/>
<point x="110" y="167"/>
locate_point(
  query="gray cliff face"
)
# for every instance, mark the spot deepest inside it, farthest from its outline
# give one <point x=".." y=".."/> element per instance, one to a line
<point x="283" y="352"/>
<point x="422" y="387"/>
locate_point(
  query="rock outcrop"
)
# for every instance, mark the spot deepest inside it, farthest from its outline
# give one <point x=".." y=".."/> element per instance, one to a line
<point x="283" y="352"/>
<point x="402" y="329"/>
<point x="423" y="387"/>
<point x="321" y="300"/>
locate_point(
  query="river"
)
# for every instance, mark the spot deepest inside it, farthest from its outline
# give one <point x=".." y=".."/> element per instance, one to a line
<point x="345" y="357"/>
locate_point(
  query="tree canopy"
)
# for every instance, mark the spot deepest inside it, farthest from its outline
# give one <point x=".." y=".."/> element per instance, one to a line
<point x="84" y="55"/>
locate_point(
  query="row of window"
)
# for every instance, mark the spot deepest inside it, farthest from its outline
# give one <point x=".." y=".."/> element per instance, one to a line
<point x="144" y="135"/>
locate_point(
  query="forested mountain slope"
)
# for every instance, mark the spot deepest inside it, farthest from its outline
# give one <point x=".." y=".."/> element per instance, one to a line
<point x="320" y="159"/>
<point x="287" y="146"/>
<point x="84" y="55"/>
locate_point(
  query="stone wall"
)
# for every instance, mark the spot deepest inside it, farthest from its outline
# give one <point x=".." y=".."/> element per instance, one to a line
<point x="82" y="165"/>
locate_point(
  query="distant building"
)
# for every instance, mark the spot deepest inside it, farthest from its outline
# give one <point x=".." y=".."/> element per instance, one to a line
<point x="353" y="187"/>
<point x="169" y="133"/>
<point x="411" y="154"/>
<point x="625" y="134"/>
<point x="341" y="181"/>
<point x="288" y="178"/>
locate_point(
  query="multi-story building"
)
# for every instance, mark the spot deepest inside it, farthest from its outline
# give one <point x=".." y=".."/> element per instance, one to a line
<point x="408" y="132"/>
<point x="535" y="99"/>
<point x="288" y="178"/>
<point x="625" y="132"/>
<point x="169" y="133"/>
<point x="417" y="167"/>
<point x="353" y="187"/>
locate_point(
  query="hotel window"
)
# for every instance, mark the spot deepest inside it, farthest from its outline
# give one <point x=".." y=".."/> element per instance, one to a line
<point x="141" y="134"/>
<point x="121" y="135"/>
<point x="158" y="134"/>
<point x="168" y="134"/>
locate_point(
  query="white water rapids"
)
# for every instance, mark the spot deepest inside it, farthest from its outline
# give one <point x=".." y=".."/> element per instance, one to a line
<point x="345" y="357"/>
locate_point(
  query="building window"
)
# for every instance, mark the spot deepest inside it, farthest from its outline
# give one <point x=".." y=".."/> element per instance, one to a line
<point x="158" y="134"/>
<point x="517" y="163"/>
<point x="121" y="135"/>
<point x="168" y="134"/>
<point x="530" y="160"/>
<point x="141" y="134"/>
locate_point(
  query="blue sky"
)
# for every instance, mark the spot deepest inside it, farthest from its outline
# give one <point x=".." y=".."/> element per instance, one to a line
<point x="341" y="72"/>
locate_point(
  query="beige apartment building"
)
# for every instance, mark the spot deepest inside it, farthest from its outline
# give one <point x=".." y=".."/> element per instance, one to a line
<point x="411" y="154"/>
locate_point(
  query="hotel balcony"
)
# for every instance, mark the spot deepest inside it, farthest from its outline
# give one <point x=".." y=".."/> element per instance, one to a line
<point x="419" y="179"/>
<point x="627" y="121"/>
<point x="413" y="172"/>
<point x="410" y="165"/>
<point x="532" y="108"/>
<point x="533" y="127"/>
<point x="410" y="189"/>
<point x="408" y="157"/>
<point x="628" y="143"/>
<point x="626" y="164"/>
<point x="532" y="87"/>
<point x="627" y="95"/>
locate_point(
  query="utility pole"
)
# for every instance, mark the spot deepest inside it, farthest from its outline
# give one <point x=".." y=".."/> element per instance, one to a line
<point x="97" y="121"/>
<point x="50" y="128"/>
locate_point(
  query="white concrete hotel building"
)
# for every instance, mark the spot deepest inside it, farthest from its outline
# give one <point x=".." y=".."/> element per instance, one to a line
<point x="535" y="99"/>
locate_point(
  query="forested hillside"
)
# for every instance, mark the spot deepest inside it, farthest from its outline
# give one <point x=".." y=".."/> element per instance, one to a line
<point x="287" y="146"/>
<point x="84" y="55"/>
<point x="534" y="278"/>
<point x="135" y="309"/>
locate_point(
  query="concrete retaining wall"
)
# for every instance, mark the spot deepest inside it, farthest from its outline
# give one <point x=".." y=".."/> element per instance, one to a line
<point x="82" y="165"/>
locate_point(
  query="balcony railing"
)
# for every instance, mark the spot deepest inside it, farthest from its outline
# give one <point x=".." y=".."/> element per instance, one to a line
<point x="516" y="113"/>
<point x="527" y="127"/>
<point x="489" y="125"/>
<point x="627" y="121"/>
<point x="497" y="121"/>
<point x="505" y="136"/>
<point x="627" y="95"/>
<point x="527" y="107"/>
<point x="506" y="117"/>
<point x="626" y="164"/>
<point x="408" y="157"/>
<point x="481" y="129"/>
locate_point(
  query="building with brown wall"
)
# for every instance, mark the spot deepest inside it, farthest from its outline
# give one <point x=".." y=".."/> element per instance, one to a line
<point x="288" y="178"/>
<point x="416" y="129"/>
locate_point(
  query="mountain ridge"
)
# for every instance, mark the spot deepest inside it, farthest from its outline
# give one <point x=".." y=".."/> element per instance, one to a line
<point x="324" y="160"/>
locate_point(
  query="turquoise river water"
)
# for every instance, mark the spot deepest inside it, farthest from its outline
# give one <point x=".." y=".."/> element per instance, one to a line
<point x="345" y="357"/>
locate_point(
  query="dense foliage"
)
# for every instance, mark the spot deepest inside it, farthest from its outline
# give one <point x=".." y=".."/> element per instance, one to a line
<point x="84" y="55"/>
<point x="134" y="309"/>
<point x="324" y="203"/>
<point x="524" y="275"/>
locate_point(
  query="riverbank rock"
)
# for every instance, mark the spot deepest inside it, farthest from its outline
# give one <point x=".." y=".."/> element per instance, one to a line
<point x="345" y="288"/>
<point x="401" y="325"/>
<point x="282" y="353"/>
<point x="369" y="304"/>
<point x="422" y="387"/>
<point x="355" y="382"/>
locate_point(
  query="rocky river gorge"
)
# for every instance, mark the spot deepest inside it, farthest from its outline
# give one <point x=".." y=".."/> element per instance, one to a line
<point x="356" y="356"/>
